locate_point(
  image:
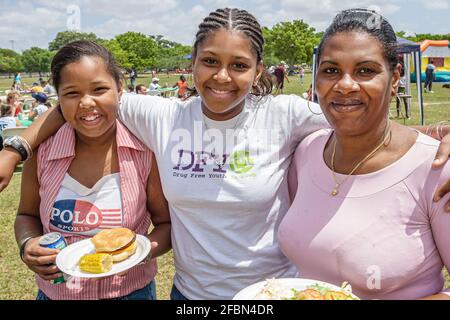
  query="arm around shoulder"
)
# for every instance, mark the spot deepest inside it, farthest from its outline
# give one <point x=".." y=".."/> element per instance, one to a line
<point x="158" y="207"/>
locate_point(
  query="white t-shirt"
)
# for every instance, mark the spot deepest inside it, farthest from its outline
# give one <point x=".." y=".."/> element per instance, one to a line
<point x="41" y="109"/>
<point x="7" y="122"/>
<point x="226" y="200"/>
<point x="49" y="89"/>
<point x="154" y="86"/>
<point x="81" y="210"/>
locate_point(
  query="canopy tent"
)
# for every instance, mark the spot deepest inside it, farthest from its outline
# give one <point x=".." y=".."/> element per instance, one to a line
<point x="410" y="51"/>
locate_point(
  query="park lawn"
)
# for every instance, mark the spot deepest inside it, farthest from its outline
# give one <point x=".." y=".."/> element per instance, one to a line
<point x="17" y="282"/>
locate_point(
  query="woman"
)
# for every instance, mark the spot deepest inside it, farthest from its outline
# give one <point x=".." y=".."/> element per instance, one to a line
<point x="182" y="87"/>
<point x="7" y="119"/>
<point x="12" y="99"/>
<point x="363" y="208"/>
<point x="91" y="175"/>
<point x="223" y="157"/>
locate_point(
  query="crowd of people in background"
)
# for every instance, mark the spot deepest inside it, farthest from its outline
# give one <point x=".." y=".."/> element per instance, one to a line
<point x="24" y="103"/>
<point x="179" y="89"/>
<point x="16" y="113"/>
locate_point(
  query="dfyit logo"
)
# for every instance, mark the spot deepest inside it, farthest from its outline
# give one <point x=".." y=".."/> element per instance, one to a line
<point x="241" y="162"/>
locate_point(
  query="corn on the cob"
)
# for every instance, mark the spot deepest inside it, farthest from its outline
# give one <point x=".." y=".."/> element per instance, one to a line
<point x="96" y="263"/>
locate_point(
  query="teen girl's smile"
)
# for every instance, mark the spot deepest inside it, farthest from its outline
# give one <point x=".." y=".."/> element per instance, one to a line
<point x="225" y="69"/>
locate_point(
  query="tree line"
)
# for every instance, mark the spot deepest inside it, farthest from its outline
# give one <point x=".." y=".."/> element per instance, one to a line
<point x="292" y="42"/>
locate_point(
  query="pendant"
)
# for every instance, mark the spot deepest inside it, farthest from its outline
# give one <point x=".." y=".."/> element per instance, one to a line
<point x="335" y="190"/>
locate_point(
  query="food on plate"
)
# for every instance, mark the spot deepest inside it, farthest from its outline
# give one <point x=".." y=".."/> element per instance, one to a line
<point x="275" y="290"/>
<point x="119" y="242"/>
<point x="111" y="246"/>
<point x="322" y="292"/>
<point x="96" y="263"/>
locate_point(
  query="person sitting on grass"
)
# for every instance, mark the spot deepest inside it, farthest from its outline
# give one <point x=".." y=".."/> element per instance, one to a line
<point x="39" y="106"/>
<point x="7" y="119"/>
<point x="155" y="84"/>
<point x="141" y="89"/>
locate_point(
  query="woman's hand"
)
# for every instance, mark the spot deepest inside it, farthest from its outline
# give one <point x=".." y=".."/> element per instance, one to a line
<point x="440" y="159"/>
<point x="41" y="260"/>
<point x="8" y="161"/>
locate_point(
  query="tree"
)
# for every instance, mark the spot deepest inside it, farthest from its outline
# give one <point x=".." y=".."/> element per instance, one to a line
<point x="423" y="36"/>
<point x="10" y="61"/>
<point x="37" y="60"/>
<point x="65" y="37"/>
<point x="171" y="54"/>
<point x="122" y="57"/>
<point x="292" y="42"/>
<point x="141" y="49"/>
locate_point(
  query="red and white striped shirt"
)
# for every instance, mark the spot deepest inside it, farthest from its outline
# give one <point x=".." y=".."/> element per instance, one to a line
<point x="54" y="158"/>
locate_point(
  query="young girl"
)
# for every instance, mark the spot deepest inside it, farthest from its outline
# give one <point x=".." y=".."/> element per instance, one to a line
<point x="182" y="86"/>
<point x="92" y="166"/>
<point x="223" y="158"/>
<point x="12" y="99"/>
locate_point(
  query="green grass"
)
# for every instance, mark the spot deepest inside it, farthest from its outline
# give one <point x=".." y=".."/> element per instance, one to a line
<point x="17" y="282"/>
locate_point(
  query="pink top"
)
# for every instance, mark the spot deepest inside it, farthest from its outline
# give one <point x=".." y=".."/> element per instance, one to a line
<point x="382" y="233"/>
<point x="54" y="158"/>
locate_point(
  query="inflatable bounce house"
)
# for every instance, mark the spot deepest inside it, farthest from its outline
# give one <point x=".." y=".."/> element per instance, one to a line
<point x="438" y="52"/>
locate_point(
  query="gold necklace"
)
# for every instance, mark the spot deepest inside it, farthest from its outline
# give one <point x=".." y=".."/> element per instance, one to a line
<point x="387" y="133"/>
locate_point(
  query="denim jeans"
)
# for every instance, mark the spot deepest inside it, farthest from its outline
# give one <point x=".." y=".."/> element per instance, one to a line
<point x="146" y="293"/>
<point x="175" y="294"/>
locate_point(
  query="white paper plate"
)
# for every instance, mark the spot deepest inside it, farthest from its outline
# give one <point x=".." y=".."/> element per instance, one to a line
<point x="284" y="286"/>
<point x="67" y="260"/>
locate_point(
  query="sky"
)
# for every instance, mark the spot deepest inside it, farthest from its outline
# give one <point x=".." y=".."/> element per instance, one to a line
<point x="24" y="24"/>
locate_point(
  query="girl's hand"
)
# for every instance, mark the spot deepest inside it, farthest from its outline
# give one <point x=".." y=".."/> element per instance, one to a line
<point x="41" y="260"/>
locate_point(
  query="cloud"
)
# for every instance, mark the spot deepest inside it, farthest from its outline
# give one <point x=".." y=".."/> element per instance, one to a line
<point x="319" y="13"/>
<point x="161" y="24"/>
<point x="27" y="29"/>
<point x="35" y="23"/>
<point x="436" y="4"/>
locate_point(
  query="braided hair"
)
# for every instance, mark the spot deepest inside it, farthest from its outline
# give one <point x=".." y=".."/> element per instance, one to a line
<point x="236" y="20"/>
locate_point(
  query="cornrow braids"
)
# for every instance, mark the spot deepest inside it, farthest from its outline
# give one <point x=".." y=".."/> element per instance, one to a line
<point x="238" y="20"/>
